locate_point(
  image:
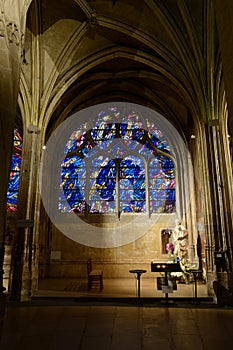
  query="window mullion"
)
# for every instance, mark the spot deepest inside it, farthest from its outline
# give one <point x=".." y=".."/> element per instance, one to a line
<point x="118" y="209"/>
<point x="88" y="173"/>
<point x="147" y="189"/>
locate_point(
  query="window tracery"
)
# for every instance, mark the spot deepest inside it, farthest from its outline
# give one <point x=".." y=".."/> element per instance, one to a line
<point x="117" y="167"/>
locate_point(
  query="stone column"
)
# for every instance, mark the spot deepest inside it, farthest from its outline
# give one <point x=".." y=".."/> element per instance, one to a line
<point x="22" y="250"/>
<point x="224" y="16"/>
<point x="225" y="197"/>
<point x="10" y="54"/>
<point x="219" y="227"/>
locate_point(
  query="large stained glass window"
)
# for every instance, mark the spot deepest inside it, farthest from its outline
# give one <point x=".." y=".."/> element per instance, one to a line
<point x="13" y="185"/>
<point x="120" y="166"/>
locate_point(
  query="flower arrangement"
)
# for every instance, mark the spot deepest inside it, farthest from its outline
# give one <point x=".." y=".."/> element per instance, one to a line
<point x="170" y="248"/>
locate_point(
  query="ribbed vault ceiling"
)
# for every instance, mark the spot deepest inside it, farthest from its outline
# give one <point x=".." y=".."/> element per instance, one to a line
<point x="153" y="52"/>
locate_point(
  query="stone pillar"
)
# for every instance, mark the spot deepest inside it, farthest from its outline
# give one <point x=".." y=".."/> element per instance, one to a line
<point x="23" y="247"/>
<point x="219" y="237"/>
<point x="10" y="54"/>
<point x="224" y="16"/>
<point x="9" y="238"/>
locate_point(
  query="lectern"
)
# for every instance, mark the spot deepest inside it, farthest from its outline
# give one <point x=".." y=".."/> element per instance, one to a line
<point x="166" y="267"/>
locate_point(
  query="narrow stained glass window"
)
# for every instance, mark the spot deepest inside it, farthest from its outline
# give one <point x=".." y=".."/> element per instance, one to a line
<point x="72" y="184"/>
<point x="102" y="194"/>
<point x="13" y="185"/>
<point x="132" y="185"/>
<point x="162" y="185"/>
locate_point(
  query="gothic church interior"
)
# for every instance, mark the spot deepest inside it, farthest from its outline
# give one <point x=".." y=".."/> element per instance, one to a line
<point x="116" y="121"/>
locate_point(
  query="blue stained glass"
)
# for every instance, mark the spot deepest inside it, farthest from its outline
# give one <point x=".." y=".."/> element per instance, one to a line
<point x="133" y="206"/>
<point x="102" y="161"/>
<point x="14" y="182"/>
<point x="123" y="129"/>
<point x="157" y="183"/>
<point x="155" y="162"/>
<point x="101" y="207"/>
<point x="80" y="183"/>
<point x="160" y="194"/>
<point x="136" y="160"/>
<point x="13" y="196"/>
<point x="105" y="144"/>
<point x="63" y="204"/>
<point x="162" y="173"/>
<point x="70" y="174"/>
<point x="157" y="207"/>
<point x="171" y="183"/>
<point x="103" y="132"/>
<point x="14" y="178"/>
<point x="170" y="195"/>
<point x="76" y="139"/>
<point x="91" y="152"/>
<point x="149" y="145"/>
<point x="62" y="197"/>
<point x="140" y="183"/>
<point x="132" y="185"/>
<point x="69" y="185"/>
<point x="160" y="143"/>
<point x="86" y="148"/>
<point x="110" y="183"/>
<point x="16" y="162"/>
<point x="106" y="193"/>
<point x="73" y="195"/>
<point x="79" y="207"/>
<point x="73" y="162"/>
<point x="105" y="182"/>
<point x="131" y="132"/>
<point x="132" y="145"/>
<point x="18" y="142"/>
<point x="118" y="150"/>
<point x="167" y="164"/>
<point x="126" y="208"/>
<point x="103" y="171"/>
<point x="126" y="195"/>
<point x="126" y="183"/>
<point x="130" y="171"/>
<point x="75" y="199"/>
<point x="145" y="151"/>
<point x="72" y="182"/>
<point x="103" y="193"/>
<point x="157" y="142"/>
<point x="139" y="194"/>
<point x="107" y="171"/>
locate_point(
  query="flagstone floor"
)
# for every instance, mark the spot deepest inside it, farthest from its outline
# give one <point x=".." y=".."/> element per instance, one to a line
<point x="114" y="288"/>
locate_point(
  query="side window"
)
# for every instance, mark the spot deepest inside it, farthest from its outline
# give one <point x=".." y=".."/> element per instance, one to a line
<point x="13" y="185"/>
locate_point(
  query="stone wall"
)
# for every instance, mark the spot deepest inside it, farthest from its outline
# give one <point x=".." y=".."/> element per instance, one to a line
<point x="68" y="258"/>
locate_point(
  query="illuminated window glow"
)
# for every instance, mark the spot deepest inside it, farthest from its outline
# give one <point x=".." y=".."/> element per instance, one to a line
<point x="13" y="185"/>
<point x="112" y="167"/>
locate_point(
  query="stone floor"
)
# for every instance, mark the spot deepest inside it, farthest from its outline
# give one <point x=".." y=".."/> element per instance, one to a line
<point x="114" y="288"/>
<point x="70" y="325"/>
<point x="62" y="315"/>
